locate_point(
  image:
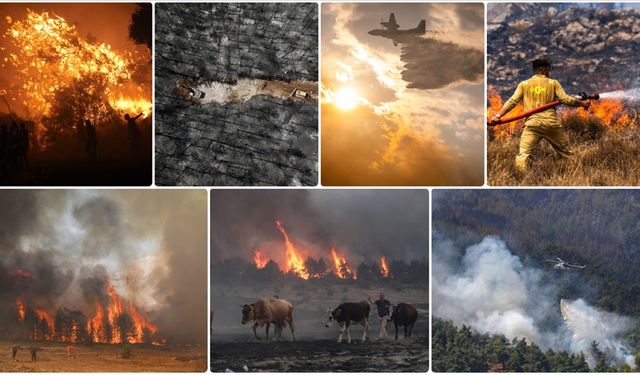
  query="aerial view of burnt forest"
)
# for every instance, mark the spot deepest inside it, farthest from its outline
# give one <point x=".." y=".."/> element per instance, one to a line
<point x="103" y="280"/>
<point x="317" y="281"/>
<point x="536" y="281"/>
<point x="75" y="94"/>
<point x="593" y="48"/>
<point x="236" y="94"/>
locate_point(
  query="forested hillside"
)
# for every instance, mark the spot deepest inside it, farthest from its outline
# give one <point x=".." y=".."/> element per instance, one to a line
<point x="598" y="228"/>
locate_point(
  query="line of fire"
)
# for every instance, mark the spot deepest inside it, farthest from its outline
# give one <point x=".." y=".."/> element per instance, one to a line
<point x="291" y="261"/>
<point x="75" y="94"/>
<point x="111" y="320"/>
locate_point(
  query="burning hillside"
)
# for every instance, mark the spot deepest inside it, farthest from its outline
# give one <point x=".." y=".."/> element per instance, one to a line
<point x="61" y="78"/>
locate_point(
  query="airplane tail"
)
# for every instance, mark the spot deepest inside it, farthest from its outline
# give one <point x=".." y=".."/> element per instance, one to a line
<point x="422" y="26"/>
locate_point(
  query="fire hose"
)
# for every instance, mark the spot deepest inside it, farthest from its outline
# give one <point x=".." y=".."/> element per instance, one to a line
<point x="581" y="96"/>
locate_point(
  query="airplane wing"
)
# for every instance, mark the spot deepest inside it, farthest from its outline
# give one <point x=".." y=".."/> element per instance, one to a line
<point x="560" y="260"/>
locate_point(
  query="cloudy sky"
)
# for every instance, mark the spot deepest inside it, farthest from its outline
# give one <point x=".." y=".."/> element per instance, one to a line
<point x="364" y="224"/>
<point x="403" y="114"/>
<point x="150" y="244"/>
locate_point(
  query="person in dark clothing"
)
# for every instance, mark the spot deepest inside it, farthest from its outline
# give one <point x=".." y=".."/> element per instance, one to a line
<point x="34" y="353"/>
<point x="23" y="156"/>
<point x="14" y="352"/>
<point x="383" y="306"/>
<point x="92" y="140"/>
<point x="134" y="131"/>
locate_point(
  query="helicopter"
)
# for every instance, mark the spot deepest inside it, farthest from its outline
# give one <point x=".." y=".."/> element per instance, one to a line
<point x="564" y="266"/>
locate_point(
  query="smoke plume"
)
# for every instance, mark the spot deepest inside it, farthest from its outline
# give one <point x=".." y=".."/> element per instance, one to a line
<point x="64" y="250"/>
<point x="489" y="289"/>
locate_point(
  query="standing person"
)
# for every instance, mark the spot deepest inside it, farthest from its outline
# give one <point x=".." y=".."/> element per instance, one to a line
<point x="14" y="352"/>
<point x="383" y="306"/>
<point x="24" y="145"/>
<point x="535" y="92"/>
<point x="92" y="140"/>
<point x="34" y="353"/>
<point x="134" y="132"/>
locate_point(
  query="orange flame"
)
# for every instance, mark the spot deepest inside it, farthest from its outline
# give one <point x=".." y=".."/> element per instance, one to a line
<point x="260" y="258"/>
<point x="505" y="131"/>
<point x="295" y="263"/>
<point x="21" y="309"/>
<point x="612" y="112"/>
<point x="43" y="315"/>
<point x="341" y="267"/>
<point x="384" y="267"/>
<point x="140" y="325"/>
<point x="50" y="55"/>
<point x="95" y="327"/>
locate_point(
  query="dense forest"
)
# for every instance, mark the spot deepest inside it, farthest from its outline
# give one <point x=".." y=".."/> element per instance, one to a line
<point x="599" y="229"/>
<point x="460" y="349"/>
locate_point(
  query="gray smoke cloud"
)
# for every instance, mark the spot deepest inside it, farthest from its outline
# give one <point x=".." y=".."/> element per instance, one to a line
<point x="489" y="289"/>
<point x="365" y="223"/>
<point x="433" y="64"/>
<point x="150" y="245"/>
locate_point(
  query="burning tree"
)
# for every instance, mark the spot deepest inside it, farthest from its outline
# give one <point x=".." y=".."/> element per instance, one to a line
<point x="114" y="320"/>
<point x="65" y="78"/>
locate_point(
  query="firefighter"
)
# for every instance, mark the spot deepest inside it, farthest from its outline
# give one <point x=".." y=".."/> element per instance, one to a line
<point x="537" y="91"/>
<point x="14" y="352"/>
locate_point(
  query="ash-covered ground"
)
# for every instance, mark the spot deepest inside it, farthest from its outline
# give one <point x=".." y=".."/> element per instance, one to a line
<point x="316" y="350"/>
<point x="592" y="49"/>
<point x="262" y="141"/>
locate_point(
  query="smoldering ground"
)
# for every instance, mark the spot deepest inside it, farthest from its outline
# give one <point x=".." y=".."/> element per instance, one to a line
<point x="59" y="247"/>
<point x="491" y="290"/>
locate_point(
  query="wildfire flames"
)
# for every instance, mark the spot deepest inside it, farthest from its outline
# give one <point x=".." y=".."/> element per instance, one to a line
<point x="51" y="57"/>
<point x="384" y="267"/>
<point x="613" y="113"/>
<point x="341" y="267"/>
<point x="112" y="323"/>
<point x="260" y="258"/>
<point x="20" y="308"/>
<point x="295" y="262"/>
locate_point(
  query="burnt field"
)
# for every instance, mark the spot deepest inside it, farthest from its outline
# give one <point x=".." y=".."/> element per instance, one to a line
<point x="323" y="355"/>
<point x="53" y="357"/>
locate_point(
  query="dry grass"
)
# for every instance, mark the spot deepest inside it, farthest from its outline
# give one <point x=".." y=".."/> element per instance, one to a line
<point x="602" y="157"/>
<point x="53" y="357"/>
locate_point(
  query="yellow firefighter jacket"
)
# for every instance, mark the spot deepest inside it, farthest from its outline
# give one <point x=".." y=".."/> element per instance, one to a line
<point x="537" y="91"/>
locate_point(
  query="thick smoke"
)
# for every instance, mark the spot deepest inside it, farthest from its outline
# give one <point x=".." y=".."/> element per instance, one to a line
<point x="588" y="324"/>
<point x="58" y="248"/>
<point x="489" y="289"/>
<point x="360" y="223"/>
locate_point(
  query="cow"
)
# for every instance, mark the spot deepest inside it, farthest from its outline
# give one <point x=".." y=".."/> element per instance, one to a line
<point x="405" y="315"/>
<point x="347" y="313"/>
<point x="267" y="311"/>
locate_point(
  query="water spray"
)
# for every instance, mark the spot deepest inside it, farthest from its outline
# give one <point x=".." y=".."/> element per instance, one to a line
<point x="581" y="96"/>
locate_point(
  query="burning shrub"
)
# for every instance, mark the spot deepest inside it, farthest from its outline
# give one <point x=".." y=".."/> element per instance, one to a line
<point x="581" y="127"/>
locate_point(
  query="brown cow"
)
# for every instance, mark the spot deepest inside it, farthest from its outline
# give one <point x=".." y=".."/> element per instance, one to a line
<point x="269" y="310"/>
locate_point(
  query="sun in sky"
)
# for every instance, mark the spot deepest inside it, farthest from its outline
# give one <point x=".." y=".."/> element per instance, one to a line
<point x="346" y="98"/>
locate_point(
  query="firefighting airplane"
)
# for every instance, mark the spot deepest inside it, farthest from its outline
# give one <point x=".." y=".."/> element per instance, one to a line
<point x="564" y="266"/>
<point x="391" y="29"/>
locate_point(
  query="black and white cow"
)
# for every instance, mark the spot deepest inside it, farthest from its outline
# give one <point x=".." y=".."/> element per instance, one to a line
<point x="405" y="315"/>
<point x="347" y="313"/>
